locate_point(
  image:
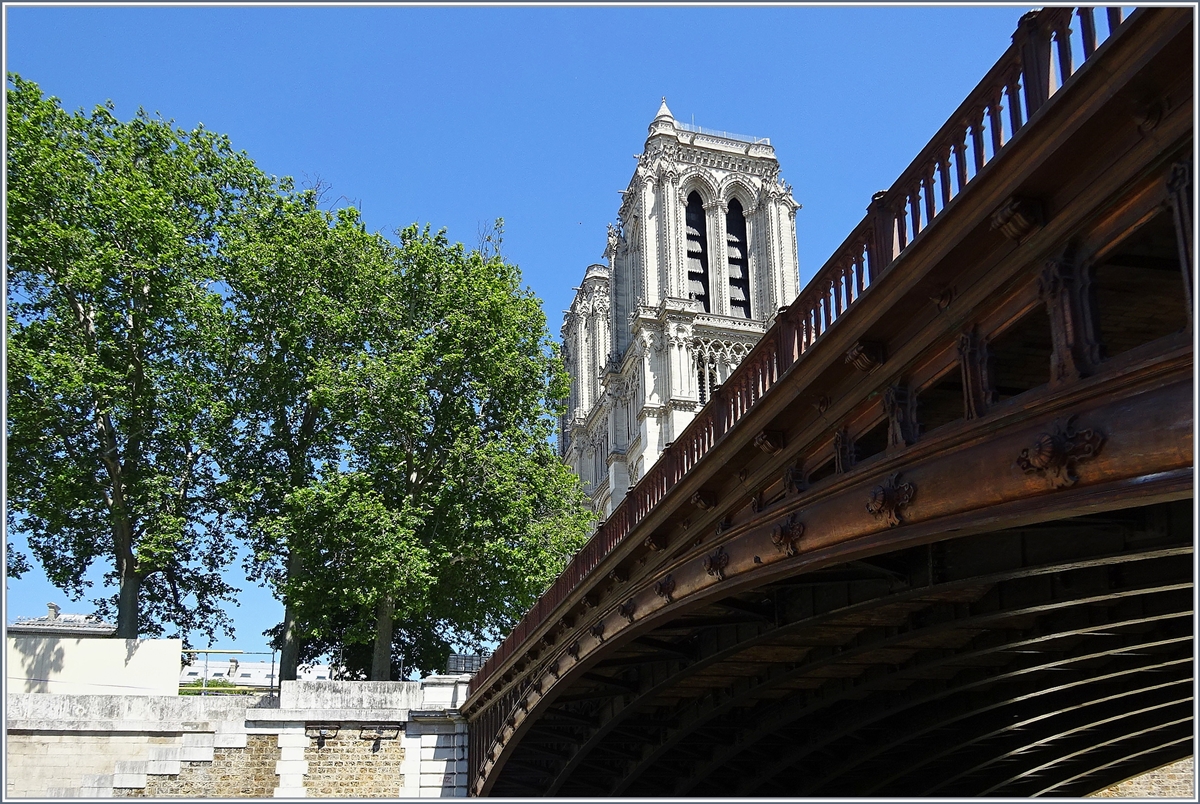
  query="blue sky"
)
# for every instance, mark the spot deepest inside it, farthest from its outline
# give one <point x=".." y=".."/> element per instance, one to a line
<point x="454" y="116"/>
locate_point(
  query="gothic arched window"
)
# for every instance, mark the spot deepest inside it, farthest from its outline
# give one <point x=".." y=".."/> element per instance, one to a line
<point x="739" y="261"/>
<point x="697" y="250"/>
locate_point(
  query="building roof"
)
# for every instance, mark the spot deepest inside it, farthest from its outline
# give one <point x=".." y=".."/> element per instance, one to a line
<point x="53" y="623"/>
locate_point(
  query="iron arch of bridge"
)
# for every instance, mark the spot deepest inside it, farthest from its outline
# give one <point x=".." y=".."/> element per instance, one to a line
<point x="786" y="617"/>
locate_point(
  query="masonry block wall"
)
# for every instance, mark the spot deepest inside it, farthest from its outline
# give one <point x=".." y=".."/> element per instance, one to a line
<point x="232" y="773"/>
<point x="1177" y="780"/>
<point x="319" y="739"/>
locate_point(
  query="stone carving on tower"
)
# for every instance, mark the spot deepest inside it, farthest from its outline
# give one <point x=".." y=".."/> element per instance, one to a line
<point x="702" y="257"/>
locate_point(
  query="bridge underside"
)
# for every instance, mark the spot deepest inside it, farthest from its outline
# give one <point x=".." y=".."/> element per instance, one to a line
<point x="1049" y="659"/>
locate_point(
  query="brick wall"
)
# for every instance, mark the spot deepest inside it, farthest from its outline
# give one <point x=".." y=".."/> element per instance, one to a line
<point x="160" y="746"/>
<point x="233" y="773"/>
<point x="1177" y="780"/>
<point x="346" y="765"/>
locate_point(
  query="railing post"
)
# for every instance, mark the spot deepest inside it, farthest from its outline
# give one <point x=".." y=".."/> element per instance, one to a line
<point x="1032" y="39"/>
<point x="879" y="246"/>
<point x="787" y="338"/>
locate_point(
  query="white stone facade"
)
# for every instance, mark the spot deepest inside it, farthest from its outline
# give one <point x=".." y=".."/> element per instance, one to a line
<point x="703" y="257"/>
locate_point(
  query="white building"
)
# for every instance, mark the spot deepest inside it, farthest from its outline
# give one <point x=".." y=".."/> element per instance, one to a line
<point x="703" y="257"/>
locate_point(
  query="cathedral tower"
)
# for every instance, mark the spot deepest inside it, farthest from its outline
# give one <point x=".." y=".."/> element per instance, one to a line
<point x="703" y="256"/>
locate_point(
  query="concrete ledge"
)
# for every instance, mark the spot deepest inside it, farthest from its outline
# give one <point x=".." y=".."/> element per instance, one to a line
<point x="229" y="740"/>
<point x="341" y="716"/>
<point x="22" y="725"/>
<point x="129" y="780"/>
<point x="288" y="767"/>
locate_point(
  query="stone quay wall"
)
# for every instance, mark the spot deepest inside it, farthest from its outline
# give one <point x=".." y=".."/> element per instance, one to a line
<point x="1177" y="780"/>
<point x="320" y="739"/>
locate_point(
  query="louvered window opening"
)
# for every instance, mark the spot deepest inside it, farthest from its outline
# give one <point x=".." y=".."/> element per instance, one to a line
<point x="739" y="261"/>
<point x="697" y="251"/>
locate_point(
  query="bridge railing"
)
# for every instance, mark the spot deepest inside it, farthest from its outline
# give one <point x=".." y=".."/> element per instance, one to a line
<point x="1037" y="64"/>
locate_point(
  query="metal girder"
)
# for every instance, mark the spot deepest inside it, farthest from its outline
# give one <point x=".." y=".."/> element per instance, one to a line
<point x="1175" y="749"/>
<point x="845" y="724"/>
<point x="720" y="646"/>
<point x="701" y="712"/>
<point x="626" y="686"/>
<point x="1022" y="714"/>
<point x="928" y="755"/>
<point x="1137" y="743"/>
<point x="1159" y="711"/>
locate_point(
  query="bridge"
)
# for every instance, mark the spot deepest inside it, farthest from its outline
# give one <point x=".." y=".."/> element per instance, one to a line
<point x="933" y="537"/>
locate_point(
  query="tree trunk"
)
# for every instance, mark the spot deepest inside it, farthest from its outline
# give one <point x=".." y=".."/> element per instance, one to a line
<point x="381" y="661"/>
<point x="289" y="644"/>
<point x="127" y="604"/>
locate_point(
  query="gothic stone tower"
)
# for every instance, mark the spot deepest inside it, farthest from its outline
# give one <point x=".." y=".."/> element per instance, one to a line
<point x="702" y="258"/>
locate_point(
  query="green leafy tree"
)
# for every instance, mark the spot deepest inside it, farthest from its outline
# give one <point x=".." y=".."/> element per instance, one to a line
<point x="115" y="354"/>
<point x="437" y="407"/>
<point x="453" y="405"/>
<point x="292" y="270"/>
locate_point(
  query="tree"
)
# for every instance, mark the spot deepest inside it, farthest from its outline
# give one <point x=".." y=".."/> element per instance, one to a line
<point x="116" y="332"/>
<point x="443" y="415"/>
<point x="292" y="270"/>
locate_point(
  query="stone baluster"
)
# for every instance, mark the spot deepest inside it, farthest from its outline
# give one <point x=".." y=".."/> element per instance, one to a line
<point x="1087" y="30"/>
<point x="995" y="125"/>
<point x="977" y="138"/>
<point x="927" y="190"/>
<point x="1013" y="90"/>
<point x="914" y="207"/>
<point x="943" y="163"/>
<point x="960" y="157"/>
<point x="1114" y="19"/>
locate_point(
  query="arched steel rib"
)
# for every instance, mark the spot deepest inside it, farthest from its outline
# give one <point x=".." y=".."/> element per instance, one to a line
<point x="753" y="735"/>
<point x="1055" y="734"/>
<point x="1033" y="688"/>
<point x="1182" y="746"/>
<point x="912" y="593"/>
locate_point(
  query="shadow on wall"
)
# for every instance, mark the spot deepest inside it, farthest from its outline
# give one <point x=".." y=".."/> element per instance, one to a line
<point x="42" y="658"/>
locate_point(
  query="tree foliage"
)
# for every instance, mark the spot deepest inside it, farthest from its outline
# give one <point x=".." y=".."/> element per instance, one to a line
<point x="437" y="407"/>
<point x="115" y="337"/>
<point x="201" y="356"/>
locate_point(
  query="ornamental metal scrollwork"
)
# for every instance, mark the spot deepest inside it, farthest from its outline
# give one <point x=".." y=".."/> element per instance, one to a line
<point x="627" y="609"/>
<point x="1017" y="217"/>
<point x="769" y="441"/>
<point x="794" y="480"/>
<point x="1055" y="455"/>
<point x="786" y="535"/>
<point x="617" y="576"/>
<point x="656" y="542"/>
<point x="866" y="356"/>
<point x="597" y="631"/>
<point x="554" y="669"/>
<point x="665" y="588"/>
<point x="887" y="500"/>
<point x="716" y="563"/>
<point x="573" y="649"/>
<point x="704" y="500"/>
